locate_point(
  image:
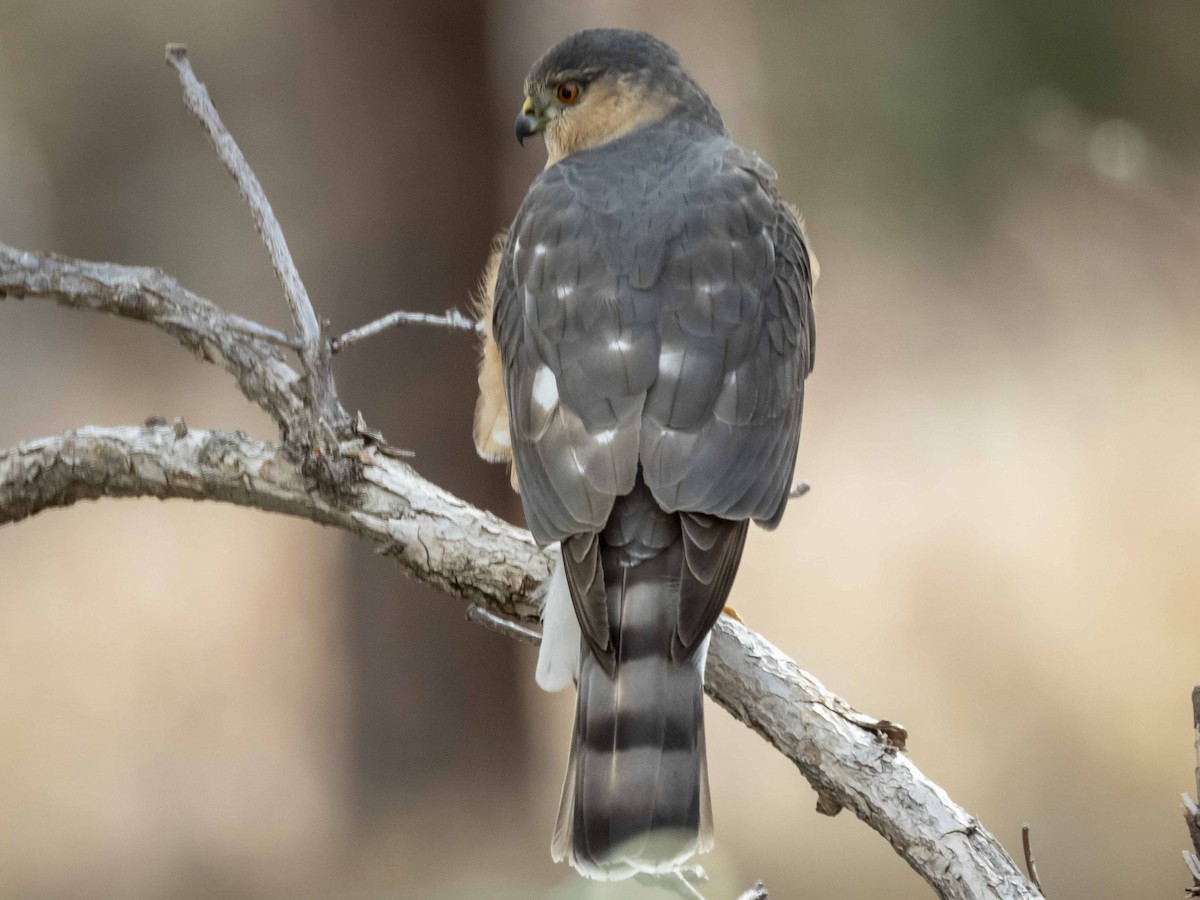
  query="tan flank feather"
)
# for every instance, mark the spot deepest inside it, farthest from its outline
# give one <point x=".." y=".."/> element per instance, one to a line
<point x="492" y="440"/>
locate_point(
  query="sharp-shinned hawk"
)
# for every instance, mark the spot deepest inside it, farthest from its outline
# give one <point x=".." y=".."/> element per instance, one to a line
<point x="651" y="327"/>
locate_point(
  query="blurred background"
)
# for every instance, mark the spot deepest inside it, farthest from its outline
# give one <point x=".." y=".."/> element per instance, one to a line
<point x="1000" y="549"/>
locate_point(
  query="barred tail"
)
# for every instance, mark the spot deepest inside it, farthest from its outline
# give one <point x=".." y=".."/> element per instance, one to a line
<point x="636" y="792"/>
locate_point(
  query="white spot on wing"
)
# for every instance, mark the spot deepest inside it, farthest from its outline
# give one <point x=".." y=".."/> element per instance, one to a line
<point x="563" y="291"/>
<point x="620" y="345"/>
<point x="500" y="436"/>
<point x="545" y="388"/>
<point x="670" y="361"/>
<point x="606" y="437"/>
<point x="539" y="249"/>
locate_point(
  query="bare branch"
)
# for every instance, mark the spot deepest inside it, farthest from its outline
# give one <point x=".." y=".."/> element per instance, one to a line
<point x="315" y="352"/>
<point x="1030" y="862"/>
<point x="680" y="882"/>
<point x="506" y="627"/>
<point x="452" y="319"/>
<point x="196" y="97"/>
<point x="859" y="767"/>
<point x="447" y="543"/>
<point x="265" y="333"/>
<point x="241" y="347"/>
<point x="436" y="537"/>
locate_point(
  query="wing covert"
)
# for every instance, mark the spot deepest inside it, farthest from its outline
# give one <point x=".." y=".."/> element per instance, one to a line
<point x="721" y="422"/>
<point x="653" y="312"/>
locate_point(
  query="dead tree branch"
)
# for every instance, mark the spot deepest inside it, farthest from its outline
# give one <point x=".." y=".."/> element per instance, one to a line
<point x="315" y="350"/>
<point x="244" y="349"/>
<point x="452" y="320"/>
<point x="328" y="470"/>
<point x="681" y="882"/>
<point x="1030" y="862"/>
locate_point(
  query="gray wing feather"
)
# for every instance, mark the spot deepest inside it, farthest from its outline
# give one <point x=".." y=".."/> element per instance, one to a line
<point x="712" y="550"/>
<point x="721" y="422"/>
<point x="654" y="314"/>
<point x="585" y="578"/>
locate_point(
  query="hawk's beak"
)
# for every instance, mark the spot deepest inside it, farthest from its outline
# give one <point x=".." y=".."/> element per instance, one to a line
<point x="528" y="124"/>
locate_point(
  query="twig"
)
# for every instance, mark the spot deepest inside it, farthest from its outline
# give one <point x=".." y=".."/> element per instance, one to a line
<point x="500" y="625"/>
<point x="263" y="332"/>
<point x="452" y="319"/>
<point x="681" y="882"/>
<point x="315" y="351"/>
<point x="1030" y="862"/>
<point x="196" y="97"/>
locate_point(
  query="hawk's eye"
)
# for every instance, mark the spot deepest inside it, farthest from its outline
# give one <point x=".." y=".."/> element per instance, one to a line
<point x="568" y="92"/>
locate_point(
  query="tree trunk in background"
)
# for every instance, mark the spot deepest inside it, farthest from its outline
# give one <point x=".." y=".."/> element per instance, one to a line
<point x="420" y="680"/>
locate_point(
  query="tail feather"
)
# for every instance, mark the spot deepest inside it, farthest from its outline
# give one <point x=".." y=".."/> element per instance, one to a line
<point x="636" y="793"/>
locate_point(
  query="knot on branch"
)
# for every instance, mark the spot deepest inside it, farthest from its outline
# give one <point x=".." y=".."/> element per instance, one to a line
<point x="335" y="474"/>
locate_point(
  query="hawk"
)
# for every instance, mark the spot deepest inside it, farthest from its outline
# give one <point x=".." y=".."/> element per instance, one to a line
<point x="651" y="327"/>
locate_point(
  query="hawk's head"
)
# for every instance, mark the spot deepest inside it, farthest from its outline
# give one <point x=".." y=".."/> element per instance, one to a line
<point x="600" y="84"/>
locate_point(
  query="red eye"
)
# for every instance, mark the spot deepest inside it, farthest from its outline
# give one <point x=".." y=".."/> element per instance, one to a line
<point x="568" y="92"/>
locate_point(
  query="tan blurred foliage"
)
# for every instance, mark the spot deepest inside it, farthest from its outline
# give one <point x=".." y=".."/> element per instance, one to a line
<point x="999" y="549"/>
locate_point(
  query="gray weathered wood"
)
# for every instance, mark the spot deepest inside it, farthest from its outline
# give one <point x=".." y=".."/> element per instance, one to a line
<point x="315" y="350"/>
<point x="244" y="349"/>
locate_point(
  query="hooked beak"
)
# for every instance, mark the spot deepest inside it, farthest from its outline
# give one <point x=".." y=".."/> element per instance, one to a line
<point x="527" y="123"/>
